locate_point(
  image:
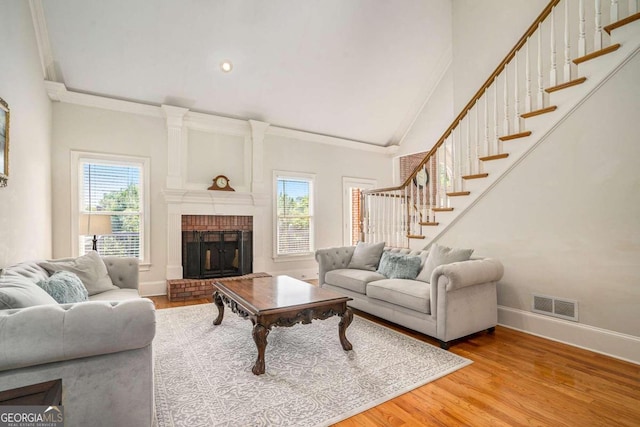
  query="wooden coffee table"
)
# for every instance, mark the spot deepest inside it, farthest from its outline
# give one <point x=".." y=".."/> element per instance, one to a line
<point x="280" y="301"/>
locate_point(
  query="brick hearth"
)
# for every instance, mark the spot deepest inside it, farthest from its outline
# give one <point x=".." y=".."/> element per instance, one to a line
<point x="186" y="289"/>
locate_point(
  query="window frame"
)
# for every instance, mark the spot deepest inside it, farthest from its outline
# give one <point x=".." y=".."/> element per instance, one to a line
<point x="311" y="178"/>
<point x="80" y="157"/>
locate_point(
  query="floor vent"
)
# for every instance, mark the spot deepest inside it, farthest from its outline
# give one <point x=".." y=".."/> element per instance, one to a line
<point x="552" y="306"/>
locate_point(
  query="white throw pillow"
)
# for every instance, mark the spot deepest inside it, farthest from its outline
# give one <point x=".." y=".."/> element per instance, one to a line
<point x="439" y="255"/>
<point x="89" y="268"/>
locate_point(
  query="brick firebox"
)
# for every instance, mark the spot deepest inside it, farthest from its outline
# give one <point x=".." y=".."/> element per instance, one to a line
<point x="187" y="289"/>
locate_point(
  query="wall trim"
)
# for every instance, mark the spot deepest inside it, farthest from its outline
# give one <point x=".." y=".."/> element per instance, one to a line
<point x="42" y="40"/>
<point x="148" y="289"/>
<point x="603" y="341"/>
<point x="201" y="121"/>
<point x="301" y="274"/>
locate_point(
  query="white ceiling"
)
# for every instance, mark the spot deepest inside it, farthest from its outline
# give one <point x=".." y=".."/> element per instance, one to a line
<point x="355" y="69"/>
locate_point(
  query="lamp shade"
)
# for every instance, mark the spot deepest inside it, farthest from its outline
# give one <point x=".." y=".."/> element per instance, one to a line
<point x="95" y="224"/>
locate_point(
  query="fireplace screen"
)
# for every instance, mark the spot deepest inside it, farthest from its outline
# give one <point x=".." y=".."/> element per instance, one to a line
<point x="216" y="253"/>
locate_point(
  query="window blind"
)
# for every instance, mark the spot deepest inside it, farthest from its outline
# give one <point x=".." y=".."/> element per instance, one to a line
<point x="294" y="222"/>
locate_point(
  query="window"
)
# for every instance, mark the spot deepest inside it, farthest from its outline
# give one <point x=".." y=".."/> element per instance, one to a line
<point x="112" y="205"/>
<point x="294" y="214"/>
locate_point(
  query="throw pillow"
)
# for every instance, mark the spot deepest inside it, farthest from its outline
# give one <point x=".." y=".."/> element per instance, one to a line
<point x="89" y="268"/>
<point x="64" y="287"/>
<point x="399" y="266"/>
<point x="439" y="255"/>
<point x="366" y="256"/>
<point x="20" y="292"/>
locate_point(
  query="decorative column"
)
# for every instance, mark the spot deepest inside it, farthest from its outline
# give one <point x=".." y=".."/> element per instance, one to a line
<point x="258" y="130"/>
<point x="176" y="138"/>
<point x="176" y="147"/>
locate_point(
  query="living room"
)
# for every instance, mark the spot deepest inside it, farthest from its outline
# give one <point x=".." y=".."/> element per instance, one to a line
<point x="563" y="223"/>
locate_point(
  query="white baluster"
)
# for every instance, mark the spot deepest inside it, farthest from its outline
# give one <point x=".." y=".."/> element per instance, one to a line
<point x="446" y="181"/>
<point x="553" y="74"/>
<point x="633" y="7"/>
<point x="582" y="36"/>
<point x="613" y="11"/>
<point x="425" y="202"/>
<point x="477" y="137"/>
<point x="469" y="166"/>
<point x="495" y="115"/>
<point x="505" y="100"/>
<point x="527" y="71"/>
<point x="597" y="37"/>
<point x="567" y="49"/>
<point x="486" y="123"/>
<point x="516" y="97"/>
<point x="453" y="159"/>
<point x="459" y="156"/>
<point x="540" y="76"/>
<point x="432" y="187"/>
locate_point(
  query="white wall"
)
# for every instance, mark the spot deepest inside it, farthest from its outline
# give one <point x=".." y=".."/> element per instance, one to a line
<point x="566" y="221"/>
<point x="330" y="164"/>
<point x="483" y="33"/>
<point x="25" y="204"/>
<point x="103" y="131"/>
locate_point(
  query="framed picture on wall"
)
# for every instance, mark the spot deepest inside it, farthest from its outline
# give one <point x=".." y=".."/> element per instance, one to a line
<point x="4" y="143"/>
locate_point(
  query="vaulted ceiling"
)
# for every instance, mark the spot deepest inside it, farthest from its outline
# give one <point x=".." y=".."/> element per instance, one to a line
<point x="355" y="69"/>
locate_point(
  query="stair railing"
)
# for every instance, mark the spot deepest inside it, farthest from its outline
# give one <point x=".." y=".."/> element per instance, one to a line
<point x="517" y="89"/>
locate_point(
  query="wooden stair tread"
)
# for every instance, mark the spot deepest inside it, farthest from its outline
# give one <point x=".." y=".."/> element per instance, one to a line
<point x="566" y="85"/>
<point x="538" y="112"/>
<point x="622" y="22"/>
<point x="458" y="193"/>
<point x="430" y="224"/>
<point x="442" y="209"/>
<point x="414" y="236"/>
<point x="597" y="53"/>
<point x="476" y="176"/>
<point x="515" y="136"/>
<point x="494" y="157"/>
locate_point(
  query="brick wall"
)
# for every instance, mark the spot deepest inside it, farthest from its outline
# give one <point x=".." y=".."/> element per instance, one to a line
<point x="355" y="215"/>
<point x="409" y="163"/>
<point x="216" y="223"/>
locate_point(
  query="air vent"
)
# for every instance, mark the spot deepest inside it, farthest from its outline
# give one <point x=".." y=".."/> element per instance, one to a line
<point x="556" y="307"/>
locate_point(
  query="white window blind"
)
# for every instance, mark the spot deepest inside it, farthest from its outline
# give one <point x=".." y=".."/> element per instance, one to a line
<point x="112" y="189"/>
<point x="294" y="207"/>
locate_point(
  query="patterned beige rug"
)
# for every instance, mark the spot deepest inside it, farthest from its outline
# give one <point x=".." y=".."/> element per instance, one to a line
<point x="203" y="372"/>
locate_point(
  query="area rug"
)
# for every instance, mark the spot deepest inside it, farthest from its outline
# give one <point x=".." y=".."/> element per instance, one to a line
<point x="203" y="372"/>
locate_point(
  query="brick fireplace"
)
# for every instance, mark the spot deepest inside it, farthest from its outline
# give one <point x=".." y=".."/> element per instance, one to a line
<point x="213" y="246"/>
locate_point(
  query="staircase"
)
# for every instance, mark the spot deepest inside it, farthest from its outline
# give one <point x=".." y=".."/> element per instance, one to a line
<point x="570" y="50"/>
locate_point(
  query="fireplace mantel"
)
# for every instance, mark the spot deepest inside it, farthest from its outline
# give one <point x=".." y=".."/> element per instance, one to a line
<point x="209" y="202"/>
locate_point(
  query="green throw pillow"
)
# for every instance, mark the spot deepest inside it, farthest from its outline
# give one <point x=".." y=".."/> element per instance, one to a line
<point x="65" y="287"/>
<point x="399" y="266"/>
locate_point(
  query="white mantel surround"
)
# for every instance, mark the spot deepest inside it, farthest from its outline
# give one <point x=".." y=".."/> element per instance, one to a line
<point x="203" y="202"/>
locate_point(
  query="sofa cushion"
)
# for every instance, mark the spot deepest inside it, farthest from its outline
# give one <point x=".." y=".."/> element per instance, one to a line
<point x="64" y="287"/>
<point x="399" y="266"/>
<point x="411" y="294"/>
<point x="351" y="279"/>
<point x="366" y="256"/>
<point x="89" y="268"/>
<point x="116" y="295"/>
<point x="440" y="255"/>
<point x="20" y="292"/>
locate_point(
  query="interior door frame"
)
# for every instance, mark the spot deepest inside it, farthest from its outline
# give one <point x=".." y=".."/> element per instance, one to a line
<point x="347" y="184"/>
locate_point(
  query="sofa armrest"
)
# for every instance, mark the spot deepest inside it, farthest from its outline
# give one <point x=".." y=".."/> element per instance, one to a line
<point x="52" y="333"/>
<point x="124" y="271"/>
<point x="332" y="259"/>
<point x="458" y="275"/>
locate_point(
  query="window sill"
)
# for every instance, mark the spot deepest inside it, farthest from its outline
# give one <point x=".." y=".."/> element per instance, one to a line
<point x="294" y="258"/>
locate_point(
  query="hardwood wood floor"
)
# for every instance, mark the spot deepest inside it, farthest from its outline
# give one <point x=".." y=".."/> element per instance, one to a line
<point x="516" y="380"/>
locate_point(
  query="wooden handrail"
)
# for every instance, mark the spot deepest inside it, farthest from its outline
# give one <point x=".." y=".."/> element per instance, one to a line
<point x="532" y="29"/>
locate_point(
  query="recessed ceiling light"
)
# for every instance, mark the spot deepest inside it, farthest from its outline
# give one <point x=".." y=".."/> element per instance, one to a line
<point x="226" y="66"/>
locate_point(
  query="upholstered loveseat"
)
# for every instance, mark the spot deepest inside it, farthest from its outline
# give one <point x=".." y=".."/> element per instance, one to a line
<point x="447" y="301"/>
<point x="99" y="348"/>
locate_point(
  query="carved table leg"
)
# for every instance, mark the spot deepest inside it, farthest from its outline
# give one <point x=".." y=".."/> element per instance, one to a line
<point x="260" y="337"/>
<point x="347" y="318"/>
<point x="218" y="302"/>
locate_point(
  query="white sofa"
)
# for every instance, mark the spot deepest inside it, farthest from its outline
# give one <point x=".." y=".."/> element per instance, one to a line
<point x="459" y="300"/>
<point x="101" y="348"/>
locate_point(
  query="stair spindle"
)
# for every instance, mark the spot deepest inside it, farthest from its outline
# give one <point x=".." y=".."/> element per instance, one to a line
<point x="527" y="71"/>
<point x="567" y="47"/>
<point x="613" y="11"/>
<point x="540" y="76"/>
<point x="582" y="36"/>
<point x="516" y="96"/>
<point x="495" y="115"/>
<point x="477" y="162"/>
<point x="505" y="101"/>
<point x="486" y="124"/>
<point x="553" y="74"/>
<point x="597" y="37"/>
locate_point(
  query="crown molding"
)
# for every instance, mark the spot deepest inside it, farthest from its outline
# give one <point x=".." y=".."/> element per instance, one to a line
<point x="42" y="39"/>
<point x="201" y="121"/>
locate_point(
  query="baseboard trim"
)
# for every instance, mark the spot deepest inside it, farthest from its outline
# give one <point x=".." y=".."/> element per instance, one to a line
<point x="610" y="343"/>
<point x="148" y="289"/>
